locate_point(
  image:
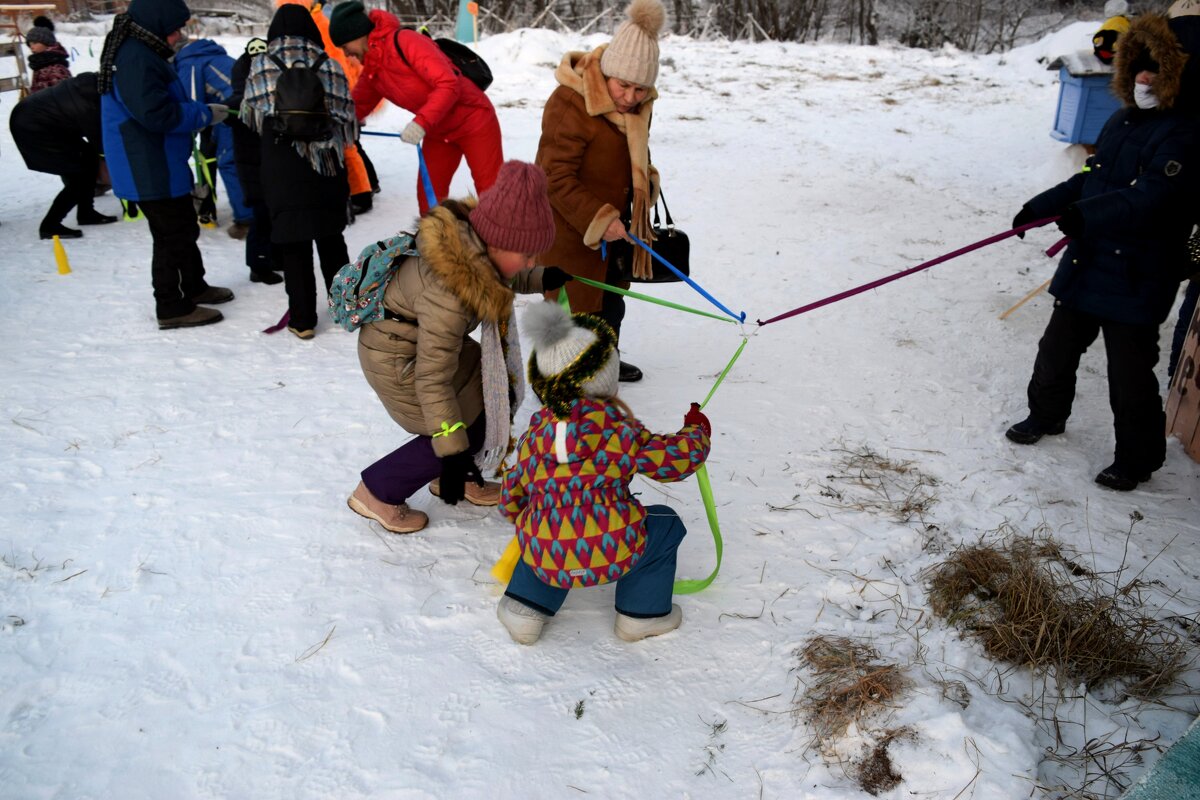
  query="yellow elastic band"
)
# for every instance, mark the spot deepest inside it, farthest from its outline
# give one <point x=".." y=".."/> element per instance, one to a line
<point x="448" y="429"/>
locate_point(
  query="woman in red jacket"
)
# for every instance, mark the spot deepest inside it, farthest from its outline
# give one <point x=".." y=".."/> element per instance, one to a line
<point x="453" y="118"/>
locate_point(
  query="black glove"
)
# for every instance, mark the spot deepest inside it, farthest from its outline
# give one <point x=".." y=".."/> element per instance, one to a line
<point x="1071" y="222"/>
<point x="1023" y="217"/>
<point x="554" y="278"/>
<point x="456" y="469"/>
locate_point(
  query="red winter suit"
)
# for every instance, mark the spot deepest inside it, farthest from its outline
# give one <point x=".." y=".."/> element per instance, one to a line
<point x="457" y="117"/>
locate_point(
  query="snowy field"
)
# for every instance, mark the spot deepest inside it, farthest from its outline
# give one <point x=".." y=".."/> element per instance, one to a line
<point x="188" y="609"/>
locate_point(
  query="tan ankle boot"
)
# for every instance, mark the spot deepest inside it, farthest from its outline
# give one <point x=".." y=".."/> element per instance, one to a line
<point x="396" y="518"/>
<point x="486" y="495"/>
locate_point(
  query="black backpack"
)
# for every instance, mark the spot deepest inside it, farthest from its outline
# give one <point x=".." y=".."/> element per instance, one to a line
<point x="300" y="110"/>
<point x="464" y="59"/>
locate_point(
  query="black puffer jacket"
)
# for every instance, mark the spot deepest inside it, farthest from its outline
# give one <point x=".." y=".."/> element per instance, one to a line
<point x="50" y="127"/>
<point x="247" y="148"/>
<point x="1135" y="195"/>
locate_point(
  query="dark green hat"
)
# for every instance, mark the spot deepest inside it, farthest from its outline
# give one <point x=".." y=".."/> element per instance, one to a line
<point x="349" y="21"/>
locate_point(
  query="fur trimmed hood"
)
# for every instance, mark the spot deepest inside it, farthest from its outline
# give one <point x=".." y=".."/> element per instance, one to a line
<point x="458" y="257"/>
<point x="1150" y="34"/>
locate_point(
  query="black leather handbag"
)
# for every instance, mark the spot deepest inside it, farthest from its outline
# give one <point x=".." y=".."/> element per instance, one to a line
<point x="669" y="242"/>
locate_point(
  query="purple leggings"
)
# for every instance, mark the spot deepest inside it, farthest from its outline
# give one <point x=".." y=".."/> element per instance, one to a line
<point x="395" y="477"/>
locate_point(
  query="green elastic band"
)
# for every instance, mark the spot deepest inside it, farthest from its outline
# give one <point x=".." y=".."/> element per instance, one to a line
<point x="647" y="298"/>
<point x="725" y="372"/>
<point x="448" y="429"/>
<point x="710" y="508"/>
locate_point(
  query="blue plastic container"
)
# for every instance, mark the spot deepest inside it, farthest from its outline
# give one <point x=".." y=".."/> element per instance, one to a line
<point x="1084" y="105"/>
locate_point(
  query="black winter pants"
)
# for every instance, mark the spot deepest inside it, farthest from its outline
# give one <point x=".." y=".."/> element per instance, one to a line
<point x="612" y="305"/>
<point x="1132" y="350"/>
<point x="259" y="252"/>
<point x="176" y="268"/>
<point x="79" y="190"/>
<point x="296" y="260"/>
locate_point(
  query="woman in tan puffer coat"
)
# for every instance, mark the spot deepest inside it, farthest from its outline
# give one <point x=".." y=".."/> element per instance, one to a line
<point x="595" y="149"/>
<point x="458" y="395"/>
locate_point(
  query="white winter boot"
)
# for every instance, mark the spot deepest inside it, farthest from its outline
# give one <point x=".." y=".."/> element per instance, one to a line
<point x="633" y="629"/>
<point x="524" y="624"/>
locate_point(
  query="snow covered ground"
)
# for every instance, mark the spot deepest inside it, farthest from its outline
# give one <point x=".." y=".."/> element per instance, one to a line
<point x="188" y="609"/>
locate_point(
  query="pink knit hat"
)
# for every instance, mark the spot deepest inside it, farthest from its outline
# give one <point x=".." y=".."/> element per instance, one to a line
<point x="514" y="212"/>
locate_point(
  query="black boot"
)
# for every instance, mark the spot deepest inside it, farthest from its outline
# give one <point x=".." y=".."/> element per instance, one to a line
<point x="59" y="230"/>
<point x="1119" y="479"/>
<point x="628" y="373"/>
<point x="91" y="216"/>
<point x="213" y="295"/>
<point x="1029" y="431"/>
<point x="270" y="278"/>
<point x="361" y="203"/>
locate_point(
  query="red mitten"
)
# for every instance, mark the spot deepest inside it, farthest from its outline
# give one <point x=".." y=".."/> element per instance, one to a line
<point x="695" y="416"/>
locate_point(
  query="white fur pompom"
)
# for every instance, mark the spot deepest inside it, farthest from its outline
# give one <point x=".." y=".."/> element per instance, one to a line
<point x="546" y="324"/>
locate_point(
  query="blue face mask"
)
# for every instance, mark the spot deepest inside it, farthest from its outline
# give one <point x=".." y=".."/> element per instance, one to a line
<point x="1144" y="96"/>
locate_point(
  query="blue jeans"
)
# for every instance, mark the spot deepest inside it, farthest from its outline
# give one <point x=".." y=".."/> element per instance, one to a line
<point x="223" y="135"/>
<point x="644" y="591"/>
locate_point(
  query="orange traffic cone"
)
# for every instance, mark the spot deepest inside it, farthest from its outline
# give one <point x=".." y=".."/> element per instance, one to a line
<point x="60" y="257"/>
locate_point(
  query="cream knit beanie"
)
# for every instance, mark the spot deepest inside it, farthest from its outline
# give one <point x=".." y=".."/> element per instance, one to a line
<point x="633" y="53"/>
<point x="573" y="356"/>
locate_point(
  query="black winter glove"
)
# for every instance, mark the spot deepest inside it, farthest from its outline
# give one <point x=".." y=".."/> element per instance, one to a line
<point x="1023" y="217"/>
<point x="456" y="469"/>
<point x="1071" y="222"/>
<point x="554" y="278"/>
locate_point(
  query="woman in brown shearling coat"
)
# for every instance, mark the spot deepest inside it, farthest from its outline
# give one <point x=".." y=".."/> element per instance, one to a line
<point x="455" y="393"/>
<point x="596" y="153"/>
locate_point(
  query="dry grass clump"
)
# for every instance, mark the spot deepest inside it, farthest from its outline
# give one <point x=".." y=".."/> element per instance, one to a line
<point x="848" y="684"/>
<point x="1029" y="604"/>
<point x="869" y="481"/>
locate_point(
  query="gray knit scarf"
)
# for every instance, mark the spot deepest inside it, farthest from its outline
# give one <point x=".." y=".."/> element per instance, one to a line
<point x="503" y="389"/>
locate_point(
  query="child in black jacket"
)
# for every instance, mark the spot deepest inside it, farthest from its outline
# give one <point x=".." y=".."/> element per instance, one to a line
<point x="1128" y="214"/>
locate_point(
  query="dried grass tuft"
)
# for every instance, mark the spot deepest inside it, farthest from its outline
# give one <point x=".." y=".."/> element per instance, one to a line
<point x="871" y="482"/>
<point x="1031" y="605"/>
<point x="848" y="684"/>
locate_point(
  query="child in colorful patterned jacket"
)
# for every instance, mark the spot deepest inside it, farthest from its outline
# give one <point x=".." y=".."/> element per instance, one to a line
<point x="568" y="492"/>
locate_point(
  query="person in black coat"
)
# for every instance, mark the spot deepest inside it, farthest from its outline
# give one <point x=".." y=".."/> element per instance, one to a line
<point x="247" y="159"/>
<point x="303" y="181"/>
<point x="57" y="131"/>
<point x="1128" y="215"/>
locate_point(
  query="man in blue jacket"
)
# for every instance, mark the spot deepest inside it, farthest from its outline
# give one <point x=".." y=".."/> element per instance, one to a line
<point x="148" y="120"/>
<point x="206" y="71"/>
<point x="1128" y="215"/>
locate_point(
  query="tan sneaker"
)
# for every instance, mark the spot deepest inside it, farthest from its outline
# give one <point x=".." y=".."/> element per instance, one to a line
<point x="524" y="624"/>
<point x="486" y="495"/>
<point x="397" y="519"/>
<point x="634" y="629"/>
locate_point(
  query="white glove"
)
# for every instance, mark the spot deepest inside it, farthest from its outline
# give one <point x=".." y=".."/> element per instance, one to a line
<point x="412" y="133"/>
<point x="219" y="113"/>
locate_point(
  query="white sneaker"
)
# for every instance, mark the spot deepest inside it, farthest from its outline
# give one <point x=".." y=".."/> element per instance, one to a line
<point x="524" y="624"/>
<point x="633" y="629"/>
